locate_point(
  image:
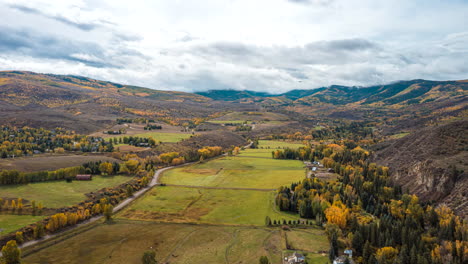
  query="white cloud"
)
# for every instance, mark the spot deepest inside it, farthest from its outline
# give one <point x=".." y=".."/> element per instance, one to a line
<point x="273" y="45"/>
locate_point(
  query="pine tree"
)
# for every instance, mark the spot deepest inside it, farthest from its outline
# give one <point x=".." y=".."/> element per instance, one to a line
<point x="333" y="253"/>
<point x="264" y="260"/>
<point x="149" y="257"/>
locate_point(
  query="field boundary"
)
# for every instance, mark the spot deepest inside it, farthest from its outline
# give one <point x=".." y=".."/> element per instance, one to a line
<point x="220" y="188"/>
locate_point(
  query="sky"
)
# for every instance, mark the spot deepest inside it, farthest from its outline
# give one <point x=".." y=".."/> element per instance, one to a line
<point x="272" y="46"/>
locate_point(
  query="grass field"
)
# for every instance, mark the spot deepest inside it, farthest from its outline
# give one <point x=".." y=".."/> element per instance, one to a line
<point x="253" y="168"/>
<point x="276" y="144"/>
<point x="211" y="206"/>
<point x="125" y="241"/>
<point x="299" y="239"/>
<point x="163" y="137"/>
<point x="57" y="194"/>
<point x="191" y="225"/>
<point x="49" y="162"/>
<point x="10" y="223"/>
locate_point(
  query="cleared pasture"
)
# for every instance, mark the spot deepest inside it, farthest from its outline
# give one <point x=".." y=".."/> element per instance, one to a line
<point x="50" y="162"/>
<point x="250" y="169"/>
<point x="56" y="194"/>
<point x="207" y="206"/>
<point x="125" y="241"/>
<point x="10" y="223"/>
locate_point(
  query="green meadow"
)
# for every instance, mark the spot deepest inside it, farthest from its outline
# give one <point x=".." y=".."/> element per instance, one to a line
<point x="252" y="168"/>
<point x="208" y="206"/>
<point x="56" y="194"/>
<point x="10" y="223"/>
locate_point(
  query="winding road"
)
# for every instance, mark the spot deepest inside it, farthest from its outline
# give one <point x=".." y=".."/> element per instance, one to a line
<point x="154" y="182"/>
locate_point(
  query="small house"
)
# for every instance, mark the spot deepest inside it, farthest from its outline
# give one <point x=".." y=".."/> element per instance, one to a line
<point x="349" y="252"/>
<point x="294" y="259"/>
<point x="314" y="168"/>
<point x="84" y="177"/>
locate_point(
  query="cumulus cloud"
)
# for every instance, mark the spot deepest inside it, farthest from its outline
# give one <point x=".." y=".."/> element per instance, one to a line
<point x="294" y="44"/>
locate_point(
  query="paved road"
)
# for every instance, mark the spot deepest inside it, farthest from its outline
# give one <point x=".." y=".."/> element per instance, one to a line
<point x="120" y="206"/>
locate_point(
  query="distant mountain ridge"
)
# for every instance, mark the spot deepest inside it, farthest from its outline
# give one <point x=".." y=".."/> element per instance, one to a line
<point x="410" y="92"/>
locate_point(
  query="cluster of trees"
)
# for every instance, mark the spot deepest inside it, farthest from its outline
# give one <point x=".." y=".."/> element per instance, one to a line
<point x="17" y="207"/>
<point x="115" y="132"/>
<point x="243" y="128"/>
<point x="365" y="212"/>
<point x="16" y="142"/>
<point x="328" y="153"/>
<point x="16" y="177"/>
<point x="134" y="141"/>
<point x="152" y="127"/>
<point x="209" y="152"/>
<point x="130" y="166"/>
<point x="357" y="131"/>
<point x="133" y="120"/>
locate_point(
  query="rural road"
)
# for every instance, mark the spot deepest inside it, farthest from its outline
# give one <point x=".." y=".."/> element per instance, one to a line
<point x="120" y="206"/>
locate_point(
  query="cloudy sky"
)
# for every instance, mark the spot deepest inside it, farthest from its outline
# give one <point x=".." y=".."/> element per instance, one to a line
<point x="262" y="45"/>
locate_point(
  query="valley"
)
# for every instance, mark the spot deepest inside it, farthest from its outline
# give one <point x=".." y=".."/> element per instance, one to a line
<point x="232" y="176"/>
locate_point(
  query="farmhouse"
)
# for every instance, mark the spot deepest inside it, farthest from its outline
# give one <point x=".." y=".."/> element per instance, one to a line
<point x="294" y="259"/>
<point x="84" y="177"/>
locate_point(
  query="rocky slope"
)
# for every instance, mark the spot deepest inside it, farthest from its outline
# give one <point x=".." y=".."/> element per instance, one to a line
<point x="431" y="163"/>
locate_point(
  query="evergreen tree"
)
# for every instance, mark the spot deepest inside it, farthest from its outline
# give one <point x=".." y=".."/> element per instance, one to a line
<point x="149" y="257"/>
<point x="264" y="260"/>
<point x="333" y="253"/>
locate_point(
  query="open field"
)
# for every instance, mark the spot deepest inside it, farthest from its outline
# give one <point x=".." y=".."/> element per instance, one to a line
<point x="210" y="206"/>
<point x="49" y="162"/>
<point x="197" y="224"/>
<point x="238" y="172"/>
<point x="299" y="239"/>
<point x="125" y="241"/>
<point x="161" y="136"/>
<point x="10" y="223"/>
<point x="57" y="194"/>
<point x="277" y="144"/>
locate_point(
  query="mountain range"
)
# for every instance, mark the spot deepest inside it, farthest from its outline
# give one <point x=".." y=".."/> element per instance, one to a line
<point x="72" y="101"/>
